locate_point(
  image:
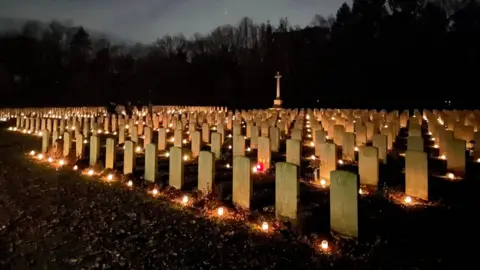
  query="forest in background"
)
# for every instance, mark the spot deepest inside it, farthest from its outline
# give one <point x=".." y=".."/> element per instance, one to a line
<point x="374" y="53"/>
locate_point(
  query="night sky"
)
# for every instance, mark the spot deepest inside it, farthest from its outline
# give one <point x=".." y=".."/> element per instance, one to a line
<point x="146" y="20"/>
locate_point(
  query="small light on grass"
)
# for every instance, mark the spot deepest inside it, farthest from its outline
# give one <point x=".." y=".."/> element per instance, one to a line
<point x="408" y="200"/>
<point x="185" y="199"/>
<point x="90" y="172"/>
<point x="220" y="211"/>
<point x="265" y="226"/>
<point x="75" y="167"/>
<point x="32" y="153"/>
<point x="323" y="182"/>
<point x="324" y="245"/>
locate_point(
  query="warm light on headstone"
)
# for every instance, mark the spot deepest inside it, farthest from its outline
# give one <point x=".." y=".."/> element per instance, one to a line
<point x="450" y="176"/>
<point x="220" y="211"/>
<point x="340" y="162"/>
<point x="443" y="157"/>
<point x="323" y="182"/>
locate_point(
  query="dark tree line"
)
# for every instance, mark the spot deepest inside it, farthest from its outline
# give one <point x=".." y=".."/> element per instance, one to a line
<point x="381" y="53"/>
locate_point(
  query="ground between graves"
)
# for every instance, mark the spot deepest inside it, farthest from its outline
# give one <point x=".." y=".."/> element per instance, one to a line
<point x="57" y="219"/>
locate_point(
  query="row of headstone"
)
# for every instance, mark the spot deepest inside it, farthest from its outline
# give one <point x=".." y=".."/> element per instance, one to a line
<point x="342" y="126"/>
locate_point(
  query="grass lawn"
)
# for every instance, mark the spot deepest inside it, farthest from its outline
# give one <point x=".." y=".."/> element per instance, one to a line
<point x="56" y="219"/>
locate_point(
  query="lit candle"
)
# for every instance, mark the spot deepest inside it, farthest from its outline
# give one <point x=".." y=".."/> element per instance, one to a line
<point x="265" y="226"/>
<point x="324" y="244"/>
<point x="185" y="199"/>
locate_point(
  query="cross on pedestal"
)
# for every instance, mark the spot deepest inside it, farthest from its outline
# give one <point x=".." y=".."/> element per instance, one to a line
<point x="278" y="77"/>
<point x="277" y="102"/>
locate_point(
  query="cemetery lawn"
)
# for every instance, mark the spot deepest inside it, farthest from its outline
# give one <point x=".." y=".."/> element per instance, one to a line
<point x="59" y="220"/>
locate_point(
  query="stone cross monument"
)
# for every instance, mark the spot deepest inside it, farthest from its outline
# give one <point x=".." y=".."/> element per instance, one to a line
<point x="277" y="103"/>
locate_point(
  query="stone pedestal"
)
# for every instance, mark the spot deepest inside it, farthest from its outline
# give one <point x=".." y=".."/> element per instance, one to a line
<point x="277" y="103"/>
